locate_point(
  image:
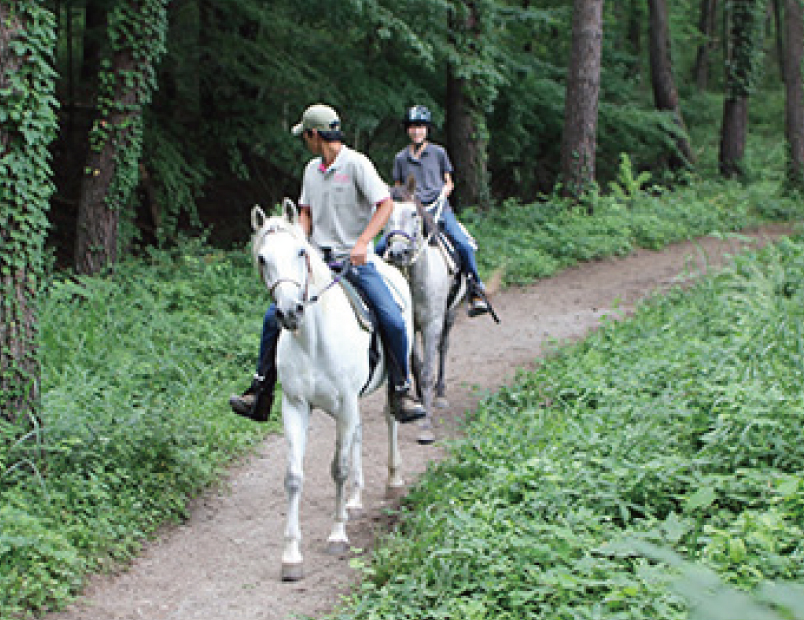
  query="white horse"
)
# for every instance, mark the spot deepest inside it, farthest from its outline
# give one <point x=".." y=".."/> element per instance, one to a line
<point x="437" y="293"/>
<point x="322" y="362"/>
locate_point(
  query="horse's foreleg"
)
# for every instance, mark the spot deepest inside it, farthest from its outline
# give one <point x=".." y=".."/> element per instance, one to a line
<point x="443" y="346"/>
<point x="431" y="336"/>
<point x="346" y="427"/>
<point x="396" y="484"/>
<point x="295" y="417"/>
<point x="355" y="503"/>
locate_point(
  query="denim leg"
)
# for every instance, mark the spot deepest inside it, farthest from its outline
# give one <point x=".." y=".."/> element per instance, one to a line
<point x="392" y="323"/>
<point x="381" y="246"/>
<point x="270" y="335"/>
<point x="453" y="230"/>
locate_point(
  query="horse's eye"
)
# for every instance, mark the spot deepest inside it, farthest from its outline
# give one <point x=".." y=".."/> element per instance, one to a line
<point x="302" y="252"/>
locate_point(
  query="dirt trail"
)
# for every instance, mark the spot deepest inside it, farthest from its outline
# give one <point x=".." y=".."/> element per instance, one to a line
<point x="223" y="562"/>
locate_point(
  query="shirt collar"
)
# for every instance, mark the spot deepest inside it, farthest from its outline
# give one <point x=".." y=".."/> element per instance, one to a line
<point x="335" y="164"/>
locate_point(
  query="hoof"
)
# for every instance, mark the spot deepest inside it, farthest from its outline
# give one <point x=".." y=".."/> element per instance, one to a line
<point x="395" y="492"/>
<point x="337" y="547"/>
<point x="292" y="572"/>
<point x="426" y="435"/>
<point x="441" y="402"/>
<point x="355" y="512"/>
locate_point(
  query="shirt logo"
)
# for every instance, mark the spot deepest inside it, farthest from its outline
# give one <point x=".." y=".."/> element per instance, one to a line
<point x="341" y="177"/>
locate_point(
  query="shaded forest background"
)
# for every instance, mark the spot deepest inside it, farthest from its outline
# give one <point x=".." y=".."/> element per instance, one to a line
<point x="235" y="75"/>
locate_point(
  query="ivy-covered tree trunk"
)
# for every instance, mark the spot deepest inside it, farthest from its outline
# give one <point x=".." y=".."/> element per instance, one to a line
<point x="580" y="109"/>
<point x="665" y="94"/>
<point x="794" y="102"/>
<point x="137" y="35"/>
<point x="27" y="126"/>
<point x="742" y="66"/>
<point x="465" y="118"/>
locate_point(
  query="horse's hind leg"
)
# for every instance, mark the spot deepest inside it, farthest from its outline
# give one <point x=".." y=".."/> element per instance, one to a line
<point x="346" y="429"/>
<point x="295" y="418"/>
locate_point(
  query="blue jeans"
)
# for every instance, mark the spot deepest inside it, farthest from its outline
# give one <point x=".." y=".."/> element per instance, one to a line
<point x="449" y="224"/>
<point x="392" y="326"/>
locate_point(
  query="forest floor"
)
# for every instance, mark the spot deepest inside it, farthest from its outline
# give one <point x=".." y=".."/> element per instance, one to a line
<point x="223" y="562"/>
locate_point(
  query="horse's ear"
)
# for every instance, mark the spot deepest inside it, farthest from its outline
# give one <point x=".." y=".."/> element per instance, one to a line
<point x="411" y="185"/>
<point x="290" y="210"/>
<point x="257" y="218"/>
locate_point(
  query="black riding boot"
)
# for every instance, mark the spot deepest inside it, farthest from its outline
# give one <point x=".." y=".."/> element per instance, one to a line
<point x="256" y="402"/>
<point x="478" y="303"/>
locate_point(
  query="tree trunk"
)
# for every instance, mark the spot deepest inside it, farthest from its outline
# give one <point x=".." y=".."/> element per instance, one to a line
<point x="465" y="129"/>
<point x="733" y="136"/>
<point x="580" y="108"/>
<point x="111" y="171"/>
<point x="794" y="102"/>
<point x="706" y="26"/>
<point x="466" y="148"/>
<point x="665" y="94"/>
<point x="775" y="6"/>
<point x="745" y="36"/>
<point x="27" y="82"/>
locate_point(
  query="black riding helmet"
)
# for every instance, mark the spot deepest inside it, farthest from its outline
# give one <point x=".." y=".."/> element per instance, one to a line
<point x="418" y="115"/>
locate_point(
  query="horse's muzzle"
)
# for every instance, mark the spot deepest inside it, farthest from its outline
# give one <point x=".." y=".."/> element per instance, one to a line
<point x="400" y="257"/>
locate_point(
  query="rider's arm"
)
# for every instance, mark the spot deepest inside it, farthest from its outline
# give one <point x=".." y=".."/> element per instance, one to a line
<point x="448" y="185"/>
<point x="382" y="212"/>
<point x="305" y="219"/>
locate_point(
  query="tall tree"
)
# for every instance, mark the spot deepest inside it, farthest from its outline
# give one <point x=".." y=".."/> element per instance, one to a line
<point x="581" y="105"/>
<point x="742" y="66"/>
<point x="665" y="94"/>
<point x="706" y="27"/>
<point x="467" y="101"/>
<point x="794" y="102"/>
<point x="27" y="126"/>
<point x="137" y="30"/>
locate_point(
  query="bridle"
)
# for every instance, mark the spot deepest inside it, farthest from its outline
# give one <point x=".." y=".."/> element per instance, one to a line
<point x="418" y="241"/>
<point x="305" y="286"/>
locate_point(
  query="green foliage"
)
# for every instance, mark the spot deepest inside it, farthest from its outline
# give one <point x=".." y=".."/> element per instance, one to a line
<point x="27" y="126"/>
<point x="628" y="185"/>
<point x="134" y="420"/>
<point x="528" y="241"/>
<point x="680" y="429"/>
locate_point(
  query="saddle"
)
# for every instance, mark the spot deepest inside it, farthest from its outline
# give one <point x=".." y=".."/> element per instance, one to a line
<point x="364" y="313"/>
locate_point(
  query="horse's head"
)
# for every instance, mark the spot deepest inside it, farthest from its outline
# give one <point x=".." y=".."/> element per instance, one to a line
<point x="404" y="228"/>
<point x="282" y="258"/>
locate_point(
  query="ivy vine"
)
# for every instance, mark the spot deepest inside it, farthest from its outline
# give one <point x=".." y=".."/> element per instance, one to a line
<point x="137" y="28"/>
<point x="28" y="125"/>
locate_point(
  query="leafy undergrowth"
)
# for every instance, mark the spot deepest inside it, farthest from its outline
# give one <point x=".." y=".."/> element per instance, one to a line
<point x="652" y="471"/>
<point x="136" y="373"/>
<point x="537" y="240"/>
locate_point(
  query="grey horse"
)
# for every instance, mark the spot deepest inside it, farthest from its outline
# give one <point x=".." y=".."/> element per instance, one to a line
<point x="437" y="289"/>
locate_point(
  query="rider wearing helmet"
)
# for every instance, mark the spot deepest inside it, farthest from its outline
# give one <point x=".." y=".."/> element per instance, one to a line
<point x="431" y="167"/>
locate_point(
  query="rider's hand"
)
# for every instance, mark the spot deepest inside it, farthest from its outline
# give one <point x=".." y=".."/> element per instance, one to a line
<point x="359" y="254"/>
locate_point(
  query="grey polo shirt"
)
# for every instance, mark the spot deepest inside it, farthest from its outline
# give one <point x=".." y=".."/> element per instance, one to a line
<point x="428" y="170"/>
<point x="341" y="199"/>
